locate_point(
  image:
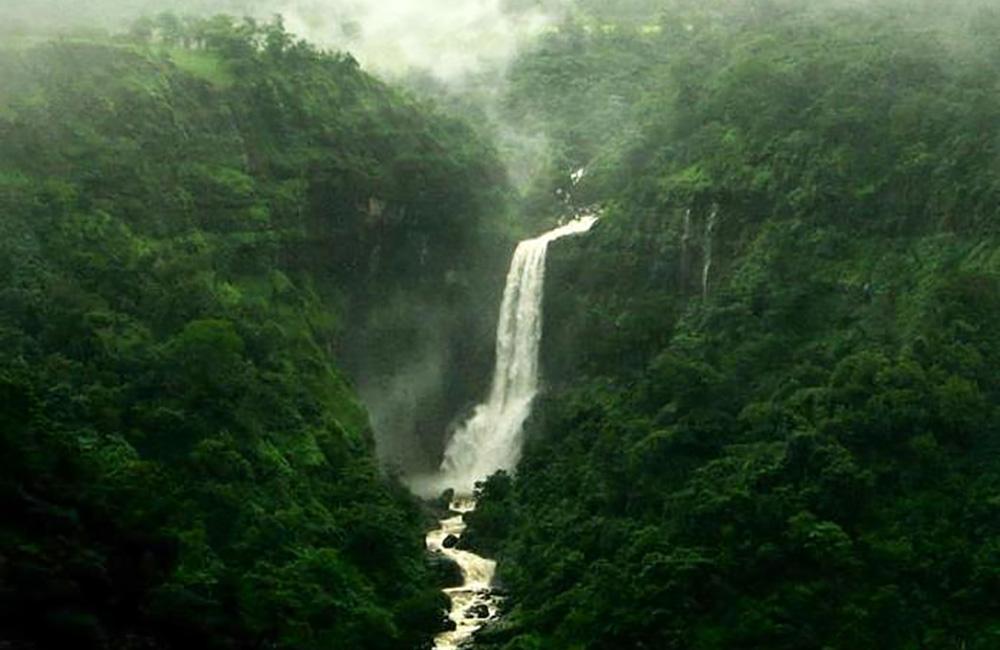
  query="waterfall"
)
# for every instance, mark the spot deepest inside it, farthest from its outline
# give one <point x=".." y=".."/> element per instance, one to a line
<point x="684" y="270"/>
<point x="706" y="269"/>
<point x="490" y="440"/>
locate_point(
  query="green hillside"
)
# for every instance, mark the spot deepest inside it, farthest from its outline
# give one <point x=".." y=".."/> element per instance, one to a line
<point x="771" y="420"/>
<point x="189" y="231"/>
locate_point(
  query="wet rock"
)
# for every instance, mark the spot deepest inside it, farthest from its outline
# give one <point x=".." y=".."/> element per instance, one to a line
<point x="478" y="611"/>
<point x="445" y="571"/>
<point x="496" y="633"/>
<point x="444" y="501"/>
<point x="451" y="541"/>
<point x="436" y="509"/>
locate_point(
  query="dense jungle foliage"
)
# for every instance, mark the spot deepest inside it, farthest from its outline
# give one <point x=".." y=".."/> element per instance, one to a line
<point x="197" y="220"/>
<point x="771" y="419"/>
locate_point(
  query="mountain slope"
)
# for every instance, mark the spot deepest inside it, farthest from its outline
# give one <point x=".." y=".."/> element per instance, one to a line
<point x="771" y="415"/>
<point x="191" y="226"/>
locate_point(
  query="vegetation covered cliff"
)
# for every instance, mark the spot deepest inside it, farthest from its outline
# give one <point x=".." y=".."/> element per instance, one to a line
<point x="197" y="222"/>
<point x="771" y="419"/>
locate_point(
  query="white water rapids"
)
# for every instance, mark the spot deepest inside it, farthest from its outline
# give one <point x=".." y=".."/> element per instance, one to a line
<point x="490" y="440"/>
<point x="473" y="603"/>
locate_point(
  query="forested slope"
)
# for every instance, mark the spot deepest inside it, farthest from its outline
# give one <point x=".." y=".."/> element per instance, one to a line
<point x="771" y="418"/>
<point x="193" y="220"/>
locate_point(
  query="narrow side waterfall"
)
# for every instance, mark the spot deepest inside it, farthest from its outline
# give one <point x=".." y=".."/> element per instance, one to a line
<point x="490" y="440"/>
<point x="706" y="271"/>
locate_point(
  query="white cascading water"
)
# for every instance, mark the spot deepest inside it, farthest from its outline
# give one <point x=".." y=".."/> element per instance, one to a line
<point x="474" y="602"/>
<point x="490" y="440"/>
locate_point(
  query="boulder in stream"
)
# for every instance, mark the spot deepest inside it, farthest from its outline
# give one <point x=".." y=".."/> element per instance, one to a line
<point x="451" y="541"/>
<point x="445" y="571"/>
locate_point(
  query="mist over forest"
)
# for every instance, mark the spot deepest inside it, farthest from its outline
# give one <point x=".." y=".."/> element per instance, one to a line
<point x="450" y="39"/>
<point x="500" y="324"/>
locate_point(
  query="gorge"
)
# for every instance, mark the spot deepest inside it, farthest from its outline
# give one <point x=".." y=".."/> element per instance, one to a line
<point x="255" y="297"/>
